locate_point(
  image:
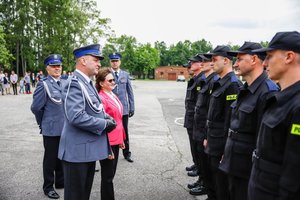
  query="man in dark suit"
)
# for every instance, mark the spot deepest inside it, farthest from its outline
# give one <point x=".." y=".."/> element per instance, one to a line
<point x="47" y="107"/>
<point x="124" y="92"/>
<point x="84" y="136"/>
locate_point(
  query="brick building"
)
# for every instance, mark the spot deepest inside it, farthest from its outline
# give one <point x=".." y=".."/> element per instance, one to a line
<point x="170" y="72"/>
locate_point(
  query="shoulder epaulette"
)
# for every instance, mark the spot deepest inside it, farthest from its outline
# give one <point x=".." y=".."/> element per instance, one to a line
<point x="203" y="77"/>
<point x="234" y="79"/>
<point x="216" y="77"/>
<point x="74" y="78"/>
<point x="271" y="85"/>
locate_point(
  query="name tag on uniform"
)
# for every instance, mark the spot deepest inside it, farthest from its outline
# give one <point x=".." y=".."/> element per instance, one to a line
<point x="231" y="97"/>
<point x="295" y="129"/>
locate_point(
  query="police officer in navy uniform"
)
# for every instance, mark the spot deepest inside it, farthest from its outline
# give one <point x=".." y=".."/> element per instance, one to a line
<point x="245" y="118"/>
<point x="84" y="136"/>
<point x="199" y="131"/>
<point x="124" y="92"/>
<point x="276" y="162"/>
<point x="193" y="87"/>
<point x="224" y="92"/>
<point x="47" y="107"/>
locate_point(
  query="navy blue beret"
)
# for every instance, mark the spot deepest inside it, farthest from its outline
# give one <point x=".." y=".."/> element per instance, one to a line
<point x="115" y="56"/>
<point x="93" y="50"/>
<point x="53" y="59"/>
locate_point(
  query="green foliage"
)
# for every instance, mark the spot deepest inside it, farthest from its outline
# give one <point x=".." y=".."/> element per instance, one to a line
<point x="5" y="56"/>
<point x="37" y="28"/>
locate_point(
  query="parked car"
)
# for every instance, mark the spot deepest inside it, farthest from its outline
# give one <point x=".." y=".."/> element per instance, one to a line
<point x="180" y="78"/>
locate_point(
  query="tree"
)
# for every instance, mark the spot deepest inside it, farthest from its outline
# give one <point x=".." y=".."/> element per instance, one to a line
<point x="163" y="53"/>
<point x="126" y="45"/>
<point x="37" y="28"/>
<point x="5" y="56"/>
<point x="147" y="59"/>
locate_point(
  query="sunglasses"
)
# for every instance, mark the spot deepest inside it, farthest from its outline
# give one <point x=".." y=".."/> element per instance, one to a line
<point x="111" y="80"/>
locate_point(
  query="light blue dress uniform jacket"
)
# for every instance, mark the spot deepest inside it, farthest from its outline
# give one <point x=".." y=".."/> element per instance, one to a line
<point x="124" y="91"/>
<point x="83" y="137"/>
<point x="48" y="111"/>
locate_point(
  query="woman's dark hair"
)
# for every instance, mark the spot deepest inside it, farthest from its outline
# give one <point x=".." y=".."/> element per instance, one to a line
<point x="100" y="77"/>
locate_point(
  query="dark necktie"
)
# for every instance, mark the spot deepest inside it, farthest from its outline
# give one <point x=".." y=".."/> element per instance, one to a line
<point x="117" y="76"/>
<point x="58" y="83"/>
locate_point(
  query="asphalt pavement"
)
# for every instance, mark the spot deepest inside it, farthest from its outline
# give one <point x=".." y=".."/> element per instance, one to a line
<point x="158" y="142"/>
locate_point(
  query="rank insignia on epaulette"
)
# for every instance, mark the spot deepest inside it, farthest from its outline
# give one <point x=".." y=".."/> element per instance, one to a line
<point x="295" y="129"/>
<point x="231" y="97"/>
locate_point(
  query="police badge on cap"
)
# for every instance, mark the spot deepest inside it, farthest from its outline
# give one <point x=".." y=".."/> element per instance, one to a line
<point x="115" y="56"/>
<point x="53" y="59"/>
<point x="93" y="50"/>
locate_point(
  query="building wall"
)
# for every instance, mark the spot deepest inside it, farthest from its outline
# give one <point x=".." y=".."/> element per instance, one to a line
<point x="170" y="72"/>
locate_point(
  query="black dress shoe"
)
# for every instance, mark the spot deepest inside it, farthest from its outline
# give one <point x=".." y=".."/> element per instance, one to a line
<point x="190" y="168"/>
<point x="200" y="190"/>
<point x="129" y="159"/>
<point x="52" y="194"/>
<point x="193" y="185"/>
<point x="193" y="173"/>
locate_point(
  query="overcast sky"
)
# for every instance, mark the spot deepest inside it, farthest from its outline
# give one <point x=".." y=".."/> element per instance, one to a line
<point x="217" y="21"/>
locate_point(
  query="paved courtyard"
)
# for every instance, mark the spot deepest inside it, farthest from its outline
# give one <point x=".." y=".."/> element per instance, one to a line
<point x="159" y="146"/>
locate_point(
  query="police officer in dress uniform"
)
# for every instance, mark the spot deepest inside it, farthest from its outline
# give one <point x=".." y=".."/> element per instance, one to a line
<point x="47" y="107"/>
<point x="224" y="92"/>
<point x="84" y="136"/>
<point x="245" y="118"/>
<point x="276" y="162"/>
<point x="199" y="131"/>
<point x="124" y="92"/>
<point x="193" y="88"/>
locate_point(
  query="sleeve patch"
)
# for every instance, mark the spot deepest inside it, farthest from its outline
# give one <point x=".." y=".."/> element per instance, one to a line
<point x="295" y="129"/>
<point x="231" y="97"/>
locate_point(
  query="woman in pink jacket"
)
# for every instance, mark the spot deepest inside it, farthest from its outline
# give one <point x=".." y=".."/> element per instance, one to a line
<point x="105" y="83"/>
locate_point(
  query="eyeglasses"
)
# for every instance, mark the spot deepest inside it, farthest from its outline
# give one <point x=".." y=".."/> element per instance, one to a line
<point x="111" y="80"/>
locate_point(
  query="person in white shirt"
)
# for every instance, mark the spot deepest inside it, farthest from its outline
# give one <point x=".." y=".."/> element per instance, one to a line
<point x="14" y="82"/>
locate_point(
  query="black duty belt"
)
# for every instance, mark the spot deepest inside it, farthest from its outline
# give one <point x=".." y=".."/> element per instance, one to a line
<point x="240" y="136"/>
<point x="266" y="165"/>
<point x="211" y="124"/>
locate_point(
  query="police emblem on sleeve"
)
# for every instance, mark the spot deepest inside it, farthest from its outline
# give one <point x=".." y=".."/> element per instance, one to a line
<point x="295" y="130"/>
<point x="231" y="97"/>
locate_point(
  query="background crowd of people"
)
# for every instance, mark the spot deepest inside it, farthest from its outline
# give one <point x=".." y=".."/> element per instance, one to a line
<point x="12" y="84"/>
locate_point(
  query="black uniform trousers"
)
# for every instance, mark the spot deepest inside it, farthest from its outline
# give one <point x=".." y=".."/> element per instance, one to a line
<point x="193" y="147"/>
<point x="238" y="187"/>
<point x="52" y="166"/>
<point x="79" y="179"/>
<point x="126" y="151"/>
<point x="255" y="191"/>
<point x="219" y="178"/>
<point x="205" y="171"/>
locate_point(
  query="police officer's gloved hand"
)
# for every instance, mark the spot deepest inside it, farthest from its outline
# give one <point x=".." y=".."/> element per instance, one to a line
<point x="107" y="116"/>
<point x="110" y="125"/>
<point x="131" y="113"/>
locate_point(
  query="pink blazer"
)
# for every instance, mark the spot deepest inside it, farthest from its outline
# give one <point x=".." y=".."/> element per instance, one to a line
<point x="117" y="136"/>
